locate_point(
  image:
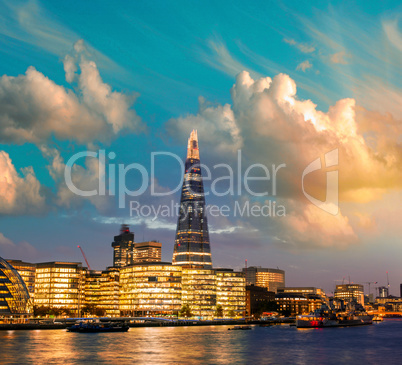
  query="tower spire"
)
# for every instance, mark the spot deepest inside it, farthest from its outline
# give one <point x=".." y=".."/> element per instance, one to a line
<point x="192" y="148"/>
<point x="192" y="247"/>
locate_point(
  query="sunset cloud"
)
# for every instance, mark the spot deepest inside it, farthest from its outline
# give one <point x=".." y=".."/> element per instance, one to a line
<point x="20" y="193"/>
<point x="275" y="127"/>
<point x="33" y="107"/>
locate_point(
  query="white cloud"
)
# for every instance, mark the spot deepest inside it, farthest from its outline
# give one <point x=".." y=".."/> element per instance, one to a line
<point x="85" y="178"/>
<point x="19" y="193"/>
<point x="275" y="127"/>
<point x="305" y="65"/>
<point x="33" y="107"/>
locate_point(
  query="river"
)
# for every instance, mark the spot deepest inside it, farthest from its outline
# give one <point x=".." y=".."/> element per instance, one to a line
<point x="380" y="343"/>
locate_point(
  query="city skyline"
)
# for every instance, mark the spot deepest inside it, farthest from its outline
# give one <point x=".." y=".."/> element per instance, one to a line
<point x="284" y="85"/>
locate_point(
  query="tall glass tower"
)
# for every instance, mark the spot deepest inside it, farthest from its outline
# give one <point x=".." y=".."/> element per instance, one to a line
<point x="192" y="247"/>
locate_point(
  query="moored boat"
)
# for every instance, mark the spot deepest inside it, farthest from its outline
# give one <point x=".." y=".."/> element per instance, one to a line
<point x="240" y="328"/>
<point x="97" y="326"/>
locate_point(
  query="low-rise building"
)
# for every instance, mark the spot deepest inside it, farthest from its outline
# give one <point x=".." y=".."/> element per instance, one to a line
<point x="257" y="299"/>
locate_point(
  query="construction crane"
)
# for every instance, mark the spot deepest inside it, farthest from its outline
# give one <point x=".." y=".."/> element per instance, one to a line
<point x="369" y="283"/>
<point x="85" y="258"/>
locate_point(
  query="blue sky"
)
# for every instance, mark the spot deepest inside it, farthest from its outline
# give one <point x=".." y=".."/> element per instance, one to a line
<point x="161" y="58"/>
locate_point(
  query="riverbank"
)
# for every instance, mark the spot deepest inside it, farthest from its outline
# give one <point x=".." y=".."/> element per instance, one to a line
<point x="62" y="324"/>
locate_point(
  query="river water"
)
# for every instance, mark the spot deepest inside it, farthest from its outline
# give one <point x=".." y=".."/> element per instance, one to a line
<point x="377" y="344"/>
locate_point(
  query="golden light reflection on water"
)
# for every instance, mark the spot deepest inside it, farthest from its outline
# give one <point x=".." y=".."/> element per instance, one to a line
<point x="198" y="345"/>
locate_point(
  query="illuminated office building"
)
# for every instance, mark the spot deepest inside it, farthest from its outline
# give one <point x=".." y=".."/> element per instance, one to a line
<point x="14" y="297"/>
<point x="123" y="247"/>
<point x="91" y="287"/>
<point x="150" y="289"/>
<point x="199" y="291"/>
<point x="192" y="246"/>
<point x="349" y="292"/>
<point x="272" y="279"/>
<point x="302" y="290"/>
<point x="147" y="251"/>
<point x="59" y="284"/>
<point x="231" y="292"/>
<point x="101" y="290"/>
<point x="110" y="291"/>
<point x="27" y="272"/>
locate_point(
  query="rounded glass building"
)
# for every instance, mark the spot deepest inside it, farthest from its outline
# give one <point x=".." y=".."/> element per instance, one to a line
<point x="14" y="297"/>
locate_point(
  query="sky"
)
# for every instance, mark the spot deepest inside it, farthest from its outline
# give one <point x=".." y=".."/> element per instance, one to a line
<point x="284" y="83"/>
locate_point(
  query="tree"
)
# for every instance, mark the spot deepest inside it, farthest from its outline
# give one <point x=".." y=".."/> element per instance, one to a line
<point x="219" y="311"/>
<point x="185" y="311"/>
<point x="231" y="314"/>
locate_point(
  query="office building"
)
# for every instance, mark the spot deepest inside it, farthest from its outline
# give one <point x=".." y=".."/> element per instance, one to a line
<point x="150" y="289"/>
<point x="230" y="292"/>
<point x="192" y="246"/>
<point x="27" y="272"/>
<point x="257" y="300"/>
<point x="150" y="251"/>
<point x="272" y="279"/>
<point x="199" y="291"/>
<point x="60" y="284"/>
<point x="350" y="292"/>
<point x="14" y="297"/>
<point x="110" y="292"/>
<point x="123" y="247"/>
<point x="383" y="292"/>
<point x="304" y="290"/>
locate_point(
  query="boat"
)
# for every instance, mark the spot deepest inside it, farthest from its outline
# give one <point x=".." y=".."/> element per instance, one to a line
<point x="240" y="328"/>
<point x="325" y="317"/>
<point x="378" y="318"/>
<point x="92" y="326"/>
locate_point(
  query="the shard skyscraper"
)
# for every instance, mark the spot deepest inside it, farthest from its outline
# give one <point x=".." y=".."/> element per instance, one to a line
<point x="192" y="248"/>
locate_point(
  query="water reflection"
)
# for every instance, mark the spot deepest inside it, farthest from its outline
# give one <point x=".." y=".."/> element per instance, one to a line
<point x="206" y="345"/>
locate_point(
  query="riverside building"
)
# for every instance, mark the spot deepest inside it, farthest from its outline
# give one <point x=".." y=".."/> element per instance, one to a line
<point x="349" y="292"/>
<point x="59" y="284"/>
<point x="231" y="292"/>
<point x="272" y="279"/>
<point x="27" y="272"/>
<point x="14" y="297"/>
<point x="153" y="288"/>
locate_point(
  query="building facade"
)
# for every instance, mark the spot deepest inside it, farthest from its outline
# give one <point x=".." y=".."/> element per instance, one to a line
<point x="192" y="246"/>
<point x="350" y="292"/>
<point x="199" y="291"/>
<point x="257" y="297"/>
<point x="150" y="251"/>
<point x="14" y="296"/>
<point x="272" y="279"/>
<point x="60" y="285"/>
<point x="150" y="289"/>
<point x="123" y="247"/>
<point x="231" y="292"/>
<point x="27" y="272"/>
